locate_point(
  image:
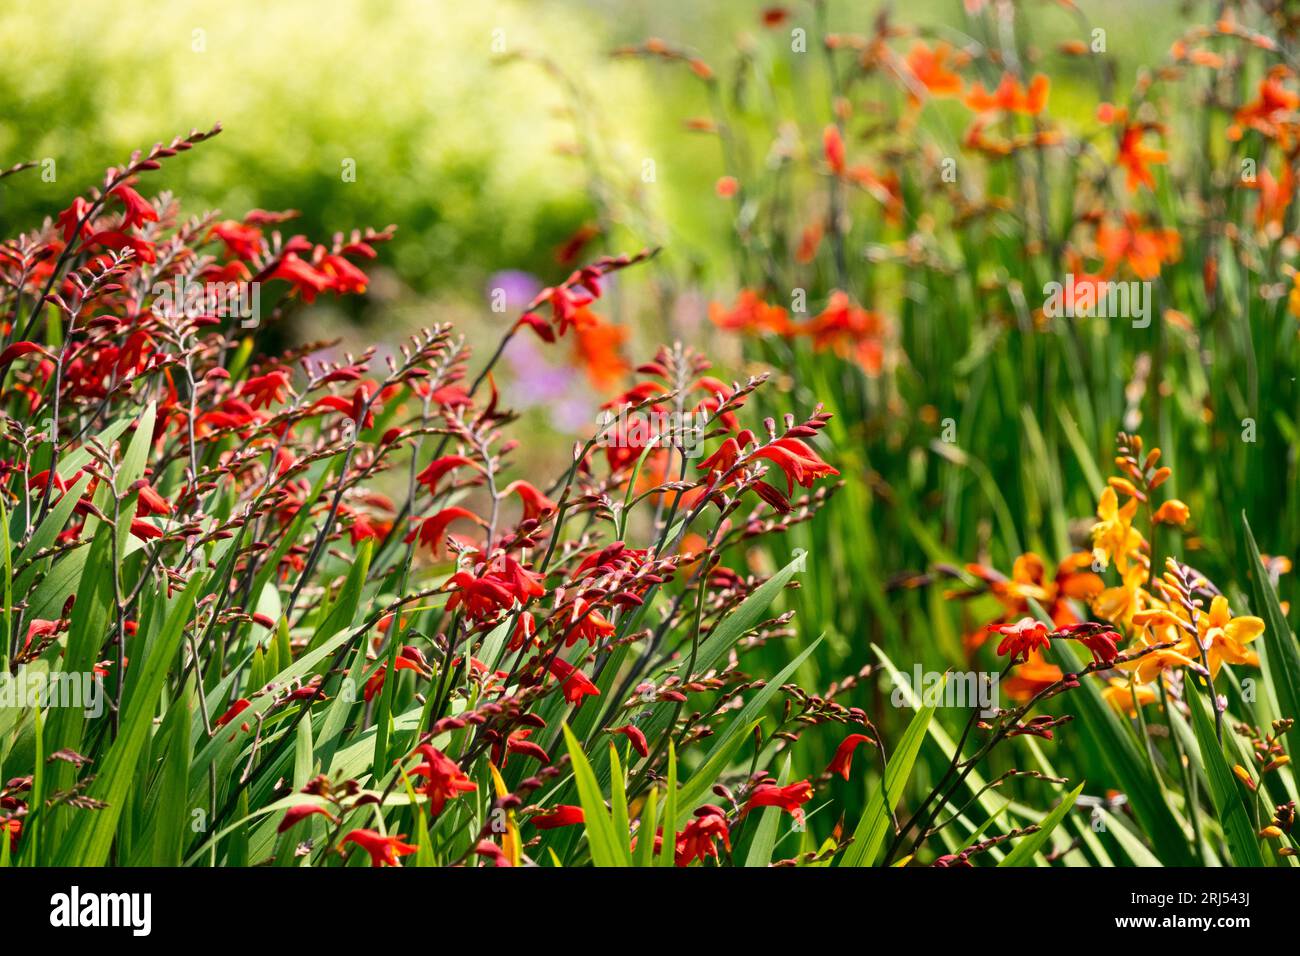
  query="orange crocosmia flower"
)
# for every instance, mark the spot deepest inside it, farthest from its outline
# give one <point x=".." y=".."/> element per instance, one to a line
<point x="842" y="762"/>
<point x="597" y="347"/>
<point x="1143" y="250"/>
<point x="1010" y="96"/>
<point x="929" y="67"/>
<point x="833" y="148"/>
<point x="1273" y="103"/>
<point x="1074" y="579"/>
<point x="1136" y="157"/>
<point x="750" y="314"/>
<point x="383" y="850"/>
<point x="850" y="331"/>
<point x="1032" y="677"/>
<point x="726" y="187"/>
<point x="1274" y="198"/>
<point x="1173" y="512"/>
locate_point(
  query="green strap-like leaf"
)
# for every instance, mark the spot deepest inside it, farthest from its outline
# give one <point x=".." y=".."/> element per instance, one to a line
<point x="1283" y="657"/>
<point x="875" y="820"/>
<point x="606" y="849"/>
<point x="1027" y="848"/>
<point x="1228" y="805"/>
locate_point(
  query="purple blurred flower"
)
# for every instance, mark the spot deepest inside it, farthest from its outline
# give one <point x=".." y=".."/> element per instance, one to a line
<point x="518" y="286"/>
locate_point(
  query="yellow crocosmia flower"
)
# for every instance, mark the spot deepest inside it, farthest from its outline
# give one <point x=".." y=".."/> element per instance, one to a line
<point x="1113" y="536"/>
<point x="1120" y="693"/>
<point x="1223" y="637"/>
<point x="1120" y="603"/>
<point x="1158" y="625"/>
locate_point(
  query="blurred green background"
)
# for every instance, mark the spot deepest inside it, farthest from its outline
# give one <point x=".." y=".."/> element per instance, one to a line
<point x="470" y="159"/>
<point x="487" y="168"/>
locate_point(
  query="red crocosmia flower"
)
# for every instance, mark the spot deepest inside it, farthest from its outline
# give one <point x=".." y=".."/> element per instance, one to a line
<point x="117" y="240"/>
<point x="383" y="850"/>
<point x="726" y="187"/>
<point x="843" y="759"/>
<point x="411" y="658"/>
<point x="517" y="743"/>
<point x="588" y="624"/>
<point x="18" y="350"/>
<point x="833" y="148"/>
<point x="433" y="530"/>
<point x="699" y="838"/>
<point x="789" y="798"/>
<point x="151" y="503"/>
<point x="444" y="780"/>
<point x="482" y="597"/>
<point x="138" y="209"/>
<point x="306" y="279"/>
<point x="722" y="460"/>
<point x="565" y="305"/>
<point x="635" y="736"/>
<point x="799" y="462"/>
<point x="573" y="682"/>
<point x="237" y="708"/>
<point x="363" y="527"/>
<point x="565" y="815"/>
<point x="488" y="849"/>
<point x="434" y="471"/>
<point x="145" y="531"/>
<point x="449" y="396"/>
<point x="525" y="629"/>
<point x="345" y="278"/>
<point x="40" y="628"/>
<point x="375" y="684"/>
<point x="403" y="663"/>
<point x="536" y="504"/>
<point x="517" y="579"/>
<point x="69" y="218"/>
<point x="263" y="391"/>
<point x="242" y="241"/>
<point x="1101" y="642"/>
<point x="302" y="810"/>
<point x="1021" y="638"/>
<point x="538" y="325"/>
